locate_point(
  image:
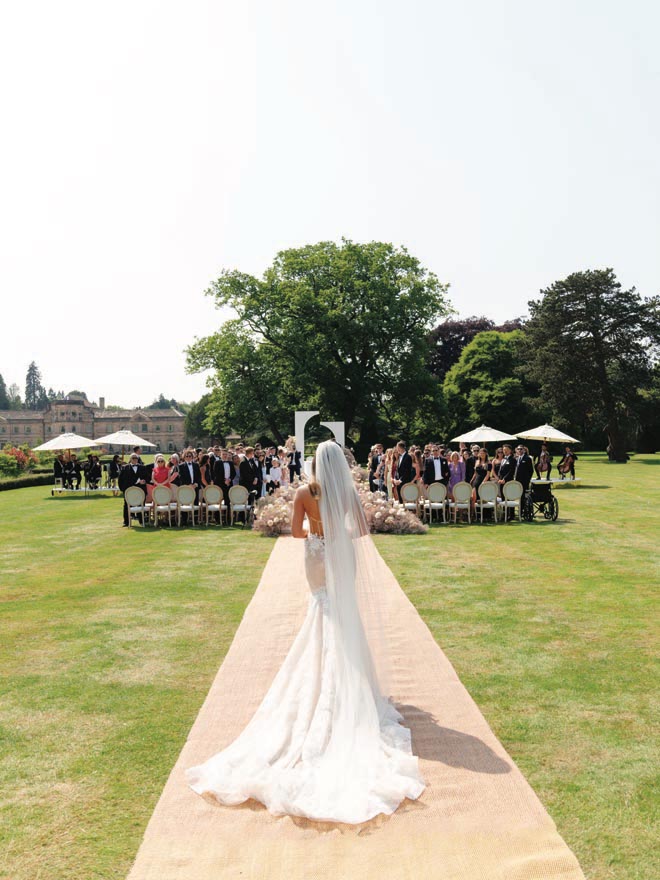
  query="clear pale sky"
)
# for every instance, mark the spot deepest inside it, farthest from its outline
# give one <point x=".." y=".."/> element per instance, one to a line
<point x="148" y="145"/>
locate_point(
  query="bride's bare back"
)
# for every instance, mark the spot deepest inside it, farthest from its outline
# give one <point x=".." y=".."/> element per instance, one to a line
<point x="306" y="504"/>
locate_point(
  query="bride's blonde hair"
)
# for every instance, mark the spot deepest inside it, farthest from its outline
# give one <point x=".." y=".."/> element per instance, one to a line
<point x="314" y="485"/>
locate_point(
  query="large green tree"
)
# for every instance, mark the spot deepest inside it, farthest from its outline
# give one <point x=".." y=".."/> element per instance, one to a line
<point x="483" y="387"/>
<point x="35" y="393"/>
<point x="342" y="328"/>
<point x="4" y="397"/>
<point x="590" y="346"/>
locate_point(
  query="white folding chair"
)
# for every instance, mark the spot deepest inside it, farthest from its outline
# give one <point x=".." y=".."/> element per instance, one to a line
<point x="487" y="499"/>
<point x="162" y="503"/>
<point x="212" y="501"/>
<point x="410" y="496"/>
<point x="134" y="497"/>
<point x="185" y="503"/>
<point x="436" y="499"/>
<point x="238" y="503"/>
<point x="462" y="499"/>
<point x="512" y="493"/>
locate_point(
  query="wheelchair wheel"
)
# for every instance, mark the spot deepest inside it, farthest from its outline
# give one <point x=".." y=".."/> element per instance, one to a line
<point x="527" y="509"/>
<point x="551" y="509"/>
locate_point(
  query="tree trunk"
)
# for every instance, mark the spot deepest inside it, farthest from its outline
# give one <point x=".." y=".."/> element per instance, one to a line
<point x="616" y="448"/>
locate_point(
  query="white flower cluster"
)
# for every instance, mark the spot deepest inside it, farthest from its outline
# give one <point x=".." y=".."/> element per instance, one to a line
<point x="273" y="514"/>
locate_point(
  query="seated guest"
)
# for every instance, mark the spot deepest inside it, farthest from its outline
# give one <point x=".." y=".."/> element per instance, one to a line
<point x="436" y="468"/>
<point x="543" y="462"/>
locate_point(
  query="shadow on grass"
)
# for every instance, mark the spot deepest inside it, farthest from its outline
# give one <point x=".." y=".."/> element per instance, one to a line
<point x="433" y="742"/>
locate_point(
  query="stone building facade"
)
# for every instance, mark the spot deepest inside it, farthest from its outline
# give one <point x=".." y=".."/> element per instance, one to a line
<point x="164" y="427"/>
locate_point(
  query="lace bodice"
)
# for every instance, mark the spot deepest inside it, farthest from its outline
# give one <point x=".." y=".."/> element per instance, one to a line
<point x="315" y="563"/>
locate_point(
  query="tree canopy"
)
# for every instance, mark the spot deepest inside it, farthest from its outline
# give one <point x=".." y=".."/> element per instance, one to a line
<point x="341" y="328"/>
<point x="590" y="347"/>
<point x="35" y="393"/>
<point x="449" y="338"/>
<point x="483" y="387"/>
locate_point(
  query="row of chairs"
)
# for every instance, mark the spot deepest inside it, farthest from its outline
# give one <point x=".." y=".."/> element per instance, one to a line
<point x="434" y="500"/>
<point x="174" y="501"/>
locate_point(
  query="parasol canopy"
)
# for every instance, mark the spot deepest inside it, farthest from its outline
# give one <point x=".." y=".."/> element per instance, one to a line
<point x="483" y="434"/>
<point x="123" y="438"/>
<point x="66" y="441"/>
<point x="547" y="433"/>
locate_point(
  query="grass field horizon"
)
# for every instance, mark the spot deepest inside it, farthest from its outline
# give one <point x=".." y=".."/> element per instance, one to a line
<point x="111" y="638"/>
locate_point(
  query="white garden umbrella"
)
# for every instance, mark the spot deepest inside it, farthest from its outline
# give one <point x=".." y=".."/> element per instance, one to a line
<point x="123" y="438"/>
<point x="66" y="441"/>
<point x="548" y="434"/>
<point x="483" y="434"/>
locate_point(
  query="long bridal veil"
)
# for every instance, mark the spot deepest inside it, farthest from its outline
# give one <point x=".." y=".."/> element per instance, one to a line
<point x="326" y="742"/>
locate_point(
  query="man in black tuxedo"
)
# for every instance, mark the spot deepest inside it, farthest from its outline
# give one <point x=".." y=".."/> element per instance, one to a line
<point x="524" y="467"/>
<point x="436" y="468"/>
<point x="376" y="458"/>
<point x="132" y="474"/>
<point x="295" y="462"/>
<point x="271" y="453"/>
<point x="471" y="462"/>
<point x="137" y="450"/>
<point x="224" y="472"/>
<point x="249" y="474"/>
<point x="508" y="465"/>
<point x="190" y="475"/>
<point x="404" y="468"/>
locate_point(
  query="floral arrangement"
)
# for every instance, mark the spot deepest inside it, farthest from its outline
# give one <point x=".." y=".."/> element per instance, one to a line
<point x="274" y="512"/>
<point x="388" y="516"/>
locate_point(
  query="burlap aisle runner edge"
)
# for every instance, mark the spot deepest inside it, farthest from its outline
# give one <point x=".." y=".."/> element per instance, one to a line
<point x="478" y="818"/>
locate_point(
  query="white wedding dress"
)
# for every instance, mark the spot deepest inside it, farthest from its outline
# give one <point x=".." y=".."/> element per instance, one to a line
<point x="324" y="743"/>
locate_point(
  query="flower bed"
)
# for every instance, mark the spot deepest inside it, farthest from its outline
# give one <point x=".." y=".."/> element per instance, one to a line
<point x="274" y="512"/>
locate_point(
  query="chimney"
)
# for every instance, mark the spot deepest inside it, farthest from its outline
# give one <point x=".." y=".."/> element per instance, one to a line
<point x="101" y="402"/>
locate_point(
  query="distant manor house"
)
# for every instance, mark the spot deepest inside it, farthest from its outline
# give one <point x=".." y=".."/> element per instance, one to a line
<point x="164" y="427"/>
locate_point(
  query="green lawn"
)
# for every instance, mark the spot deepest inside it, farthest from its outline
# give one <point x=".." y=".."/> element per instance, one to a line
<point x="110" y="639"/>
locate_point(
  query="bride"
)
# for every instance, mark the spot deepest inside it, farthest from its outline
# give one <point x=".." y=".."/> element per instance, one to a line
<point x="325" y="743"/>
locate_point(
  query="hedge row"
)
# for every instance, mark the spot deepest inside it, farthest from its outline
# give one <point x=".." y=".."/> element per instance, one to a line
<point x="24" y="482"/>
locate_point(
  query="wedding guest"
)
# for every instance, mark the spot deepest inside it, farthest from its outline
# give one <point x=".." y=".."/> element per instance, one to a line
<point x="456" y="472"/>
<point x="137" y="450"/>
<point x="373" y="463"/>
<point x="113" y="474"/>
<point x="436" y="468"/>
<point x="389" y="469"/>
<point x="274" y="475"/>
<point x="294" y="460"/>
<point x="282" y="455"/>
<point x="173" y="466"/>
<point x="260" y="456"/>
<point x="507" y="465"/>
<point x="418" y="465"/>
<point x="404" y="468"/>
<point x="205" y="469"/>
<point x="495" y="463"/>
<point x="160" y="476"/>
<point x="250" y="474"/>
<point x="482" y="473"/>
<point x="131" y="474"/>
<point x="190" y="475"/>
<point x="224" y="472"/>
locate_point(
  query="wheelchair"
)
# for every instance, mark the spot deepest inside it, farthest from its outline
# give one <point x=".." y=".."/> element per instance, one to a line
<point x="539" y="499"/>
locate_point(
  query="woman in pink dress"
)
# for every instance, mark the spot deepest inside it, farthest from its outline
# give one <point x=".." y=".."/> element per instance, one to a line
<point x="160" y="476"/>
